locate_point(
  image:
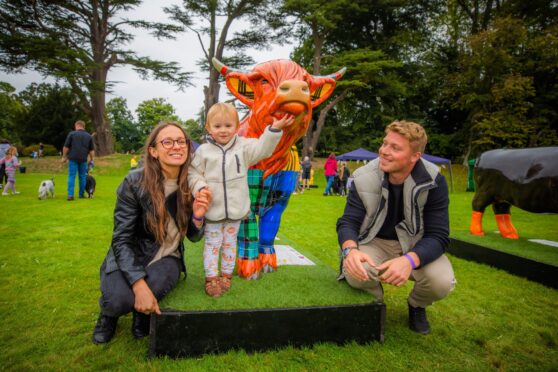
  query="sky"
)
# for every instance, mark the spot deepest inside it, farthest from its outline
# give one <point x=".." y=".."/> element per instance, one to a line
<point x="185" y="50"/>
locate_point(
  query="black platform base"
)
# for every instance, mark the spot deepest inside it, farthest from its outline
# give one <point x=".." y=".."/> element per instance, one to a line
<point x="536" y="271"/>
<point x="193" y="333"/>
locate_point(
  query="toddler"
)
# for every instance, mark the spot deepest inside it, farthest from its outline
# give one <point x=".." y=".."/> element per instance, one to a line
<point x="11" y="163"/>
<point x="221" y="164"/>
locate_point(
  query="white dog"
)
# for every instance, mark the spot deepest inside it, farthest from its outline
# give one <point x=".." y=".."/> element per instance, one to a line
<point x="46" y="189"/>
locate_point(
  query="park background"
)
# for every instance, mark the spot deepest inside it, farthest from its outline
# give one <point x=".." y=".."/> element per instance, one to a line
<point x="477" y="74"/>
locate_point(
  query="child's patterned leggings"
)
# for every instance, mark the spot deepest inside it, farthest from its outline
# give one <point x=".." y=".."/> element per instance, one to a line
<point x="220" y="237"/>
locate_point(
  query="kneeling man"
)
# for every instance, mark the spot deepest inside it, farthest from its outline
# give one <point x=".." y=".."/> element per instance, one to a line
<point x="395" y="226"/>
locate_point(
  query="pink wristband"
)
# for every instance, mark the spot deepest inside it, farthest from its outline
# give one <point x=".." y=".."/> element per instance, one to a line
<point x="413" y="264"/>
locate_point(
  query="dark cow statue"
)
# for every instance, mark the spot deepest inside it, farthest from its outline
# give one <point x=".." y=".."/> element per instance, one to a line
<point x="526" y="178"/>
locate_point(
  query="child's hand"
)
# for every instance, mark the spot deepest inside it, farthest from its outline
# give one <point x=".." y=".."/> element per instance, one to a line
<point x="201" y="203"/>
<point x="283" y="122"/>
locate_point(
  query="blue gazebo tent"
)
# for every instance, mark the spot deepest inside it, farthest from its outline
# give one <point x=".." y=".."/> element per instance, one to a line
<point x="358" y="154"/>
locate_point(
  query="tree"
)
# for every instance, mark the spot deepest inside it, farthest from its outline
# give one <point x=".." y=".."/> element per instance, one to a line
<point x="79" y="42"/>
<point x="10" y="107"/>
<point x="153" y="111"/>
<point x="194" y="130"/>
<point x="124" y="129"/>
<point x="49" y="115"/>
<point x="496" y="85"/>
<point x="203" y="18"/>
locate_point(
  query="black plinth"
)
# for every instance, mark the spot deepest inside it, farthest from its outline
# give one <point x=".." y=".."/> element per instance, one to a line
<point x="536" y="271"/>
<point x="193" y="333"/>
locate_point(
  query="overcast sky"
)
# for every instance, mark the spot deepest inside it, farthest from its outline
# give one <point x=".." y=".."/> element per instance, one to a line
<point x="185" y="50"/>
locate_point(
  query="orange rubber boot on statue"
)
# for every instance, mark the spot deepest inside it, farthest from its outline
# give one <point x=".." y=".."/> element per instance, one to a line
<point x="476" y="224"/>
<point x="507" y="230"/>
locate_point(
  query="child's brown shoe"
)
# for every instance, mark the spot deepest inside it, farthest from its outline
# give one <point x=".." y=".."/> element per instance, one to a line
<point x="212" y="286"/>
<point x="225" y="282"/>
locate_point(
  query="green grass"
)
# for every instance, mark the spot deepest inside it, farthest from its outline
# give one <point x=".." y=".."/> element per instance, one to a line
<point x="49" y="268"/>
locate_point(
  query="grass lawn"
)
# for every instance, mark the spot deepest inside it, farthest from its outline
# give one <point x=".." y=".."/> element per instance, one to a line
<point x="52" y="250"/>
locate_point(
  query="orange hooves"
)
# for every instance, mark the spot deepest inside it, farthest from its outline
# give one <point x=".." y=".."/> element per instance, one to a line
<point x="268" y="262"/>
<point x="476" y="224"/>
<point x="248" y="269"/>
<point x="507" y="230"/>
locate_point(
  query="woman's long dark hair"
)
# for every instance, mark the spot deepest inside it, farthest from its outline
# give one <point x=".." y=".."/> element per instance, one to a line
<point x="153" y="185"/>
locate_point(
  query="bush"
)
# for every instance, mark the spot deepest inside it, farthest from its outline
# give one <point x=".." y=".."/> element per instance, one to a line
<point x="48" y="150"/>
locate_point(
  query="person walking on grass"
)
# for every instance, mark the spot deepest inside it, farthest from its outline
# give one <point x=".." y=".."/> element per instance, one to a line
<point x="154" y="212"/>
<point x="330" y="170"/>
<point x="395" y="226"/>
<point x="221" y="165"/>
<point x="10" y="162"/>
<point x="77" y="148"/>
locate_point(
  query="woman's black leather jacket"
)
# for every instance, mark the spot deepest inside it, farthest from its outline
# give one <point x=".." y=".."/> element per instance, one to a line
<point x="133" y="245"/>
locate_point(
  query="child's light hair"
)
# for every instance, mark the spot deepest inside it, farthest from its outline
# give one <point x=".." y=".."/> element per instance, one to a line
<point x="222" y="108"/>
<point x="11" y="151"/>
<point x="414" y="132"/>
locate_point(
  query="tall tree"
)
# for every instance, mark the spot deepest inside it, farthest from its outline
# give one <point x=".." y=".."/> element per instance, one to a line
<point x="213" y="19"/>
<point x="151" y="112"/>
<point x="315" y="20"/>
<point x="79" y="42"/>
<point x="50" y="113"/>
<point x="10" y="107"/>
<point x="125" y="131"/>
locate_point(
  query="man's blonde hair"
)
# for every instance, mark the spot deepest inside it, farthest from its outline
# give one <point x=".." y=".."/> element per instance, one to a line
<point x="414" y="132"/>
<point x="222" y="108"/>
<point x="80" y="123"/>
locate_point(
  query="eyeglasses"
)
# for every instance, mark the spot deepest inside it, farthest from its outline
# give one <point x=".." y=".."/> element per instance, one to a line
<point x="168" y="143"/>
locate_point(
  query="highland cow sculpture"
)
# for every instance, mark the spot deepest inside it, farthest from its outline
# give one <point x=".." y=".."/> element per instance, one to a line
<point x="526" y="178"/>
<point x="272" y="89"/>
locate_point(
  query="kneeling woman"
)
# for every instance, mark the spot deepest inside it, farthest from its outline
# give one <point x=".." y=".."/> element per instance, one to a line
<point x="154" y="212"/>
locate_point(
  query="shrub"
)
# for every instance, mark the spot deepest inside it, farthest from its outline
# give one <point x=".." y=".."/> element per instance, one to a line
<point x="48" y="150"/>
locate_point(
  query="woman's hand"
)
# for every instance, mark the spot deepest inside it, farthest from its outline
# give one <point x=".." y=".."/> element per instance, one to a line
<point x="145" y="302"/>
<point x="201" y="204"/>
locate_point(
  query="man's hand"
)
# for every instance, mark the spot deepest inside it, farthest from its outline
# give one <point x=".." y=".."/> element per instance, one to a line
<point x="63" y="160"/>
<point x="145" y="302"/>
<point x="395" y="271"/>
<point x="285" y="121"/>
<point x="353" y="264"/>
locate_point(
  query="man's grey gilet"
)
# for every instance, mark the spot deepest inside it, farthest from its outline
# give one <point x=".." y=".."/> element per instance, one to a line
<point x="372" y="187"/>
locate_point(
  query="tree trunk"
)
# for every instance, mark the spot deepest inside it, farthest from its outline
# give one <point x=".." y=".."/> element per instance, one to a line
<point x="211" y="91"/>
<point x="313" y="134"/>
<point x="102" y="132"/>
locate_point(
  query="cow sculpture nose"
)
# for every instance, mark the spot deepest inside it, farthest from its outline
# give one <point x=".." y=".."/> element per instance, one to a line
<point x="293" y="96"/>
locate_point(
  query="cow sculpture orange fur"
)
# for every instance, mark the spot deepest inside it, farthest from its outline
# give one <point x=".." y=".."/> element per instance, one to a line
<point x="272" y="89"/>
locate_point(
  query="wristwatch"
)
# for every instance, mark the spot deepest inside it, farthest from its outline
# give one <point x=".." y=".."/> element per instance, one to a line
<point x="347" y="250"/>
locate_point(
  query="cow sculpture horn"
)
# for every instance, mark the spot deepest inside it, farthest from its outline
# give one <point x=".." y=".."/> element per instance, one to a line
<point x="336" y="75"/>
<point x="222" y="68"/>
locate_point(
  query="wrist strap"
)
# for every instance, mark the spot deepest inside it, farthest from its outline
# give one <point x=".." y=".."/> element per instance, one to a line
<point x="197" y="218"/>
<point x="413" y="264"/>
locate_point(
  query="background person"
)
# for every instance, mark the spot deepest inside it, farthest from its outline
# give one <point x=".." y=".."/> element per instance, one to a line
<point x="77" y="148"/>
<point x="306" y="166"/>
<point x="10" y="162"/>
<point x="330" y="170"/>
<point x="395" y="226"/>
<point x="4" y="146"/>
<point x="154" y="212"/>
<point x="344" y="174"/>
